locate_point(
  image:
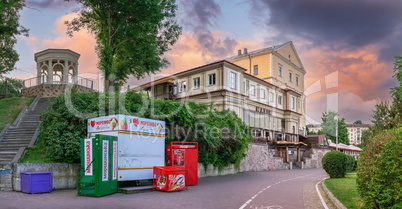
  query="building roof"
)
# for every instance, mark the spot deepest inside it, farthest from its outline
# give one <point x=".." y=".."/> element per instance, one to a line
<point x="273" y="49"/>
<point x="345" y="147"/>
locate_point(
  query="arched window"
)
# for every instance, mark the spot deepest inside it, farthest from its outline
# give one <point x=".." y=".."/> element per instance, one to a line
<point x="43" y="75"/>
<point x="71" y="75"/>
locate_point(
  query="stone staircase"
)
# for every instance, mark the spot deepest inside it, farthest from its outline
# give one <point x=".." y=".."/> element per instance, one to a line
<point x="23" y="132"/>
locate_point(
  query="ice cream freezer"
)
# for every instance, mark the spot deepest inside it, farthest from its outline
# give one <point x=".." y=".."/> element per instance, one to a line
<point x="140" y="143"/>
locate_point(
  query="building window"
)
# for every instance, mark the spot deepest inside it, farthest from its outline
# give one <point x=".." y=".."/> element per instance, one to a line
<point x="290" y="76"/>
<point x="233" y="80"/>
<point x="182" y="86"/>
<point x="280" y="71"/>
<point x="255" y="69"/>
<point x="271" y="96"/>
<point x="252" y="90"/>
<point x="297" y="80"/>
<point x="262" y="93"/>
<point x="280" y="100"/>
<point x="212" y="79"/>
<point x="293" y="104"/>
<point x="196" y="83"/>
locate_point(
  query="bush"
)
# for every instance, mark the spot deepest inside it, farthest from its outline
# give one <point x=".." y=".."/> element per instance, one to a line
<point x="379" y="176"/>
<point x="222" y="136"/>
<point x="350" y="164"/>
<point x="335" y="164"/>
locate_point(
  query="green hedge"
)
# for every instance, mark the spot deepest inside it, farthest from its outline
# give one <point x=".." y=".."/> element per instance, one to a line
<point x="222" y="136"/>
<point x="379" y="175"/>
<point x="335" y="163"/>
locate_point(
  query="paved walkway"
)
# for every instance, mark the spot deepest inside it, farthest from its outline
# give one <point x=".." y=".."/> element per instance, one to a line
<point x="251" y="190"/>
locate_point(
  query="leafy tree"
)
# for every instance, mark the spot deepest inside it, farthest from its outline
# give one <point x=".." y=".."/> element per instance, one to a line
<point x="387" y="115"/>
<point x="131" y="35"/>
<point x="366" y="135"/>
<point x="222" y="136"/>
<point x="13" y="87"/>
<point x="9" y="29"/>
<point x="332" y="126"/>
<point x="358" y="122"/>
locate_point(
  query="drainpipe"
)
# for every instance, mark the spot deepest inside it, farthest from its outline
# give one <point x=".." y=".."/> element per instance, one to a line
<point x="223" y="97"/>
<point x="249" y="58"/>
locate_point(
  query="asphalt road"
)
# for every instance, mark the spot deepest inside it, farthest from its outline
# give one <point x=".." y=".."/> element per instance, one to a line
<point x="251" y="190"/>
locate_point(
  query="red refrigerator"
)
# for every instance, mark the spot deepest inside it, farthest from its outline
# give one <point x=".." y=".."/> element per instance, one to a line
<point x="184" y="154"/>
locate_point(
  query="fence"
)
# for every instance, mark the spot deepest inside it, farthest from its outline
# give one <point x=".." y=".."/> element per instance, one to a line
<point x="57" y="80"/>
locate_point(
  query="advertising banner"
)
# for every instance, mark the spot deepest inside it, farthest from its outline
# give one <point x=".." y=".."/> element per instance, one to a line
<point x="126" y="123"/>
<point x="114" y="160"/>
<point x="88" y="157"/>
<point x="105" y="160"/>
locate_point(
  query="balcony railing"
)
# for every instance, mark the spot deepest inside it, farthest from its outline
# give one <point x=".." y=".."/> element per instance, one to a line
<point x="77" y="80"/>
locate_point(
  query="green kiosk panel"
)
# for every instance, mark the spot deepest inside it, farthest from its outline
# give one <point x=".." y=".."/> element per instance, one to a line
<point x="98" y="166"/>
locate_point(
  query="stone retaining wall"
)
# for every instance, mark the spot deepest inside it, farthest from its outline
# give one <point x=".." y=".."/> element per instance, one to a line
<point x="258" y="158"/>
<point x="51" y="90"/>
<point x="65" y="175"/>
<point x="313" y="158"/>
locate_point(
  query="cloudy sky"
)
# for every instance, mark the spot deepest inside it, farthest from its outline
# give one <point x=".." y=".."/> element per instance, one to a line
<point x="347" y="47"/>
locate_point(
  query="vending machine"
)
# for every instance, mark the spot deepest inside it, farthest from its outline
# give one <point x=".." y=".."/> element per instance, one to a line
<point x="98" y="166"/>
<point x="185" y="155"/>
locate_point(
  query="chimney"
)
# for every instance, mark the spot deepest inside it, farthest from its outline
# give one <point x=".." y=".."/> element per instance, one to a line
<point x="245" y="51"/>
<point x="239" y="52"/>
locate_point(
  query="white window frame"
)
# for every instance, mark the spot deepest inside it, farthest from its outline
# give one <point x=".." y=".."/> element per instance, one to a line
<point x="233" y="80"/>
<point x="297" y="80"/>
<point x="252" y="90"/>
<point x="280" y="71"/>
<point x="182" y="86"/>
<point x="196" y="82"/>
<point x="211" y="79"/>
<point x="279" y="99"/>
<point x="262" y="93"/>
<point x="271" y="96"/>
<point x="293" y="103"/>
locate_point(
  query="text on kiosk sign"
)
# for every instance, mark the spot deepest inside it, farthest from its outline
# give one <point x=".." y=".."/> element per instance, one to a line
<point x="125" y="123"/>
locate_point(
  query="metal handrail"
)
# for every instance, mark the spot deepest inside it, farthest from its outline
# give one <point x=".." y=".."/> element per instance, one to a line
<point x="77" y="80"/>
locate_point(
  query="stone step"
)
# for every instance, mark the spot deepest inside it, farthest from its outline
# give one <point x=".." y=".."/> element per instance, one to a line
<point x="18" y="133"/>
<point x="7" y="153"/>
<point x="9" y="146"/>
<point x="135" y="189"/>
<point x="22" y="138"/>
<point x="6" y="159"/>
<point x="6" y="149"/>
<point x="15" y="143"/>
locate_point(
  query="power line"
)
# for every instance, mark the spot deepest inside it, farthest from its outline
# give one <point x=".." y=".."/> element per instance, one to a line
<point x="19" y="69"/>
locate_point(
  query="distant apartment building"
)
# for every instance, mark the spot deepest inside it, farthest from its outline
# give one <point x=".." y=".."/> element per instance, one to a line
<point x="265" y="88"/>
<point x="355" y="131"/>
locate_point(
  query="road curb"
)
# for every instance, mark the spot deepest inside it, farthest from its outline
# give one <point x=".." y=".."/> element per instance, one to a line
<point x="336" y="202"/>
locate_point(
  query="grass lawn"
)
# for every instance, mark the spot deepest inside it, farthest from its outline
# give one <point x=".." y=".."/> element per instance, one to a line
<point x="345" y="190"/>
<point x="11" y="107"/>
<point x="37" y="154"/>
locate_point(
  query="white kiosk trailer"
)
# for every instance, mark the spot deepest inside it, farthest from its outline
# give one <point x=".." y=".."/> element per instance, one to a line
<point x="141" y="143"/>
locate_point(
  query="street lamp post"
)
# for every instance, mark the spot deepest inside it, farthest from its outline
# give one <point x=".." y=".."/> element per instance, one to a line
<point x="336" y="131"/>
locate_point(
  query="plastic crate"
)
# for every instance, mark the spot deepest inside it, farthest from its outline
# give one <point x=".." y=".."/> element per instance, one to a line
<point x="36" y="182"/>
